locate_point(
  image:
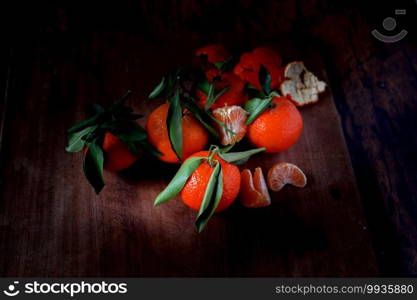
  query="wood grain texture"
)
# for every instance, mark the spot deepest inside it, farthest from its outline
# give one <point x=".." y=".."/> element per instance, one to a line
<point x="52" y="224"/>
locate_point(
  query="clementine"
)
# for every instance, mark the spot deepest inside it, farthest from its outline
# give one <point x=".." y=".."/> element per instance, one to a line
<point x="117" y="154"/>
<point x="250" y="64"/>
<point x="278" y="127"/>
<point x="195" y="137"/>
<point x="215" y="53"/>
<point x="194" y="189"/>
<point x="235" y="95"/>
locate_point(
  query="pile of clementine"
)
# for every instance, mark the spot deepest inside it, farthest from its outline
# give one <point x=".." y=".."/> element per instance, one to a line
<point x="205" y="114"/>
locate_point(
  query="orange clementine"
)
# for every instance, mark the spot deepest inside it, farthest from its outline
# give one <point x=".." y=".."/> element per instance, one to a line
<point x="285" y="173"/>
<point x="233" y="118"/>
<point x="278" y="127"/>
<point x="215" y="53"/>
<point x="117" y="155"/>
<point x="250" y="64"/>
<point x="235" y="95"/>
<point x="253" y="190"/>
<point x="195" y="137"/>
<point x="193" y="191"/>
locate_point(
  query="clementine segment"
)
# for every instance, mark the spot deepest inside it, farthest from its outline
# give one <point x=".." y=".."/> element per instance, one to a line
<point x="193" y="191"/>
<point x="117" y="154"/>
<point x="253" y="190"/>
<point x="195" y="137"/>
<point x="278" y="127"/>
<point x="285" y="173"/>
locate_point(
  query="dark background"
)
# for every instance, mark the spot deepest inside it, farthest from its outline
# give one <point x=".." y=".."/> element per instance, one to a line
<point x="59" y="56"/>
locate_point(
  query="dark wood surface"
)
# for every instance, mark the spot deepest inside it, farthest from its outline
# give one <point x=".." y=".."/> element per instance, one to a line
<point x="356" y="217"/>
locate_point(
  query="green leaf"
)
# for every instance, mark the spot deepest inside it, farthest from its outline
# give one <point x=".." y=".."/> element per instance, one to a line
<point x="174" y="124"/>
<point x="165" y="88"/>
<point x="104" y="114"/>
<point x="179" y="180"/>
<point x="228" y="65"/>
<point x="93" y="166"/>
<point x="119" y="102"/>
<point x="86" y="123"/>
<point x="199" y="114"/>
<point x="126" y="130"/>
<point x="158" y="89"/>
<point x="233" y="157"/>
<point x="204" y="85"/>
<point x="223" y="125"/>
<point x="265" y="80"/>
<point x="211" y="199"/>
<point x="224" y="90"/>
<point x="133" y="134"/>
<point x="252" y="105"/>
<point x="226" y="148"/>
<point x="219" y="65"/>
<point x="76" y="140"/>
<point x="255" y="107"/>
<point x="148" y="147"/>
<point x="97" y="108"/>
<point x="171" y="82"/>
<point x="133" y="147"/>
<point x="210" y="96"/>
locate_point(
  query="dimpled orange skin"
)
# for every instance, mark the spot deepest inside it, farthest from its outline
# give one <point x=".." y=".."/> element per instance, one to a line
<point x="117" y="155"/>
<point x="195" y="137"/>
<point x="193" y="191"/>
<point x="277" y="128"/>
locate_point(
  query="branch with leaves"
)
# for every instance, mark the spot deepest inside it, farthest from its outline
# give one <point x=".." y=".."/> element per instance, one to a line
<point x="89" y="135"/>
<point x="214" y="188"/>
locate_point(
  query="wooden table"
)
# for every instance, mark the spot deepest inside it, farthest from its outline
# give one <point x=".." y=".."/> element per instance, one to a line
<point x="356" y="217"/>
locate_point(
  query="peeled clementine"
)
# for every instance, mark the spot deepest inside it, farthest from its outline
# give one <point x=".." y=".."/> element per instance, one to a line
<point x="233" y="119"/>
<point x="195" y="137"/>
<point x="278" y="127"/>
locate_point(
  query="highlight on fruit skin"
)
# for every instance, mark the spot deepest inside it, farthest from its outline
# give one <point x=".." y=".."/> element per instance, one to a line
<point x="301" y="85"/>
<point x="253" y="189"/>
<point x="233" y="118"/>
<point x="195" y="137"/>
<point x="278" y="127"/>
<point x="284" y="173"/>
<point x="117" y="155"/>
